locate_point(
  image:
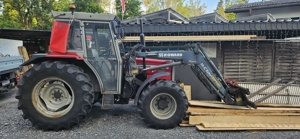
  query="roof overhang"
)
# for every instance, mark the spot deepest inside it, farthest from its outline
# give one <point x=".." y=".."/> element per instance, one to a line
<point x="239" y="10"/>
<point x="210" y="17"/>
<point x="169" y="14"/>
<point x="17" y="34"/>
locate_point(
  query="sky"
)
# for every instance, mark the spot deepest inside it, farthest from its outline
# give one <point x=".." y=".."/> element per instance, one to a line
<point x="212" y="4"/>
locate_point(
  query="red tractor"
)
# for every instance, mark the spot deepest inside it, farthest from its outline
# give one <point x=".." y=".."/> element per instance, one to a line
<point x="87" y="63"/>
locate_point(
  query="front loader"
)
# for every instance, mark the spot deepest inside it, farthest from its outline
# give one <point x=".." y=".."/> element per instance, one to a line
<point x="87" y="63"/>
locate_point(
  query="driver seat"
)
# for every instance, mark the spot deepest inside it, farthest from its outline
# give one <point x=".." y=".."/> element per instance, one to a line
<point x="103" y="42"/>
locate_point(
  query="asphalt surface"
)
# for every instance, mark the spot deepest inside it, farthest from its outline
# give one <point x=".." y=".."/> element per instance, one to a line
<point x="120" y="122"/>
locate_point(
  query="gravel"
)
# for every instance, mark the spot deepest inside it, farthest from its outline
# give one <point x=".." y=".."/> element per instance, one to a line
<point x="120" y="122"/>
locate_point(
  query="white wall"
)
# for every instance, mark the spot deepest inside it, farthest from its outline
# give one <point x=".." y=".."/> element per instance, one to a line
<point x="10" y="47"/>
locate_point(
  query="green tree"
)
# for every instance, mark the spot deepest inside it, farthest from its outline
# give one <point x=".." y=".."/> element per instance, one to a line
<point x="220" y="8"/>
<point x="61" y="5"/>
<point x="233" y="2"/>
<point x="36" y="14"/>
<point x="187" y="8"/>
<point x="91" y="6"/>
<point x="105" y="5"/>
<point x="240" y="1"/>
<point x="9" y="17"/>
<point x="132" y="9"/>
<point x="229" y="3"/>
<point x="27" y="14"/>
<point x="194" y="8"/>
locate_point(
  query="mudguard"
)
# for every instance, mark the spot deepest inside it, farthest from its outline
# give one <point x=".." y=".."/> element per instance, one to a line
<point x="146" y="82"/>
<point x="38" y="58"/>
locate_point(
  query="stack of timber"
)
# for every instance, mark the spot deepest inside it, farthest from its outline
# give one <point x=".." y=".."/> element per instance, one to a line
<point x="213" y="115"/>
<point x="23" y="52"/>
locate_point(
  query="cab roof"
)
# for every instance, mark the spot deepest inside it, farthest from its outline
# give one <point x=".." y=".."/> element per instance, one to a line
<point x="84" y="16"/>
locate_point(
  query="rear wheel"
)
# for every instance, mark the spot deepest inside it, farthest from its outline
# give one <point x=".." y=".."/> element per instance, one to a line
<point x="163" y="104"/>
<point x="55" y="95"/>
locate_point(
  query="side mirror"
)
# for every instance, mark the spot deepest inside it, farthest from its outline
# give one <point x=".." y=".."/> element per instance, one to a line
<point x="115" y="27"/>
<point x="122" y="34"/>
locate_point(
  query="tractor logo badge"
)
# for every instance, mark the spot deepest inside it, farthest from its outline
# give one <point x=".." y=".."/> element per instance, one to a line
<point x="169" y="54"/>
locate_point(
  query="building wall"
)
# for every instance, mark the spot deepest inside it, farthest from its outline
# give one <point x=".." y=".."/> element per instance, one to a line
<point x="283" y="12"/>
<point x="260" y="61"/>
<point x="247" y="61"/>
<point x="10" y="47"/>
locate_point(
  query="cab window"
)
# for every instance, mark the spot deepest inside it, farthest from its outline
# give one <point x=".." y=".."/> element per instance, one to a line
<point x="74" y="38"/>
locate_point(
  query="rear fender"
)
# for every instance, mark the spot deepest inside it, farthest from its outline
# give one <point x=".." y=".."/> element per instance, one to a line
<point x="38" y="58"/>
<point x="146" y="83"/>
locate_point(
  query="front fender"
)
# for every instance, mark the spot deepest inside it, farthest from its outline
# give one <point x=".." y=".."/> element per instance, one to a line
<point x="36" y="58"/>
<point x="146" y="82"/>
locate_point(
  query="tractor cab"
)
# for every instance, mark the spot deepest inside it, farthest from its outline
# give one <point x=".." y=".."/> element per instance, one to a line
<point x="95" y="38"/>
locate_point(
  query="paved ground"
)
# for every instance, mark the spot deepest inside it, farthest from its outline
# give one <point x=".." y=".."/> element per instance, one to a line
<point x="120" y="122"/>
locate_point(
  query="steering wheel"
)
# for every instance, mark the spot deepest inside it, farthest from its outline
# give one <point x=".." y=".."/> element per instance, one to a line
<point x="106" y="52"/>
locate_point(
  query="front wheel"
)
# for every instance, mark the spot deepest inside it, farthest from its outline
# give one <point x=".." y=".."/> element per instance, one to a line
<point x="163" y="104"/>
<point x="55" y="95"/>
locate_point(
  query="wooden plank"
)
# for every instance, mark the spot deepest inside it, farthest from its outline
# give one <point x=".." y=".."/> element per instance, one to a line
<point x="279" y="105"/>
<point x="243" y="129"/>
<point x="263" y="105"/>
<point x="279" y="127"/>
<point x="213" y="105"/>
<point x="188" y="91"/>
<point x="185" y="125"/>
<point x="185" y="122"/>
<point x="189" y="38"/>
<point x="251" y="114"/>
<point x="222" y="105"/>
<point x="233" y="111"/>
<point x="210" y="111"/>
<point x="208" y="101"/>
<point x="252" y="125"/>
<point x="269" y="119"/>
<point x="24" y="53"/>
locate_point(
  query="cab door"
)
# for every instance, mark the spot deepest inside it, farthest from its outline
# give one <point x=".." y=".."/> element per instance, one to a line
<point x="103" y="55"/>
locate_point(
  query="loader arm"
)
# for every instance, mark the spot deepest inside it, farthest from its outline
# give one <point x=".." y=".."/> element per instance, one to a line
<point x="200" y="63"/>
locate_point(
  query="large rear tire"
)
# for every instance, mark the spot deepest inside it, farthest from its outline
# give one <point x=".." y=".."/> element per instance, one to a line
<point x="163" y="104"/>
<point x="55" y="95"/>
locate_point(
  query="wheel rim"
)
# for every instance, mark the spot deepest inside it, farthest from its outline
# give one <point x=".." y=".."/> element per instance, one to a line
<point x="53" y="97"/>
<point x="163" y="106"/>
